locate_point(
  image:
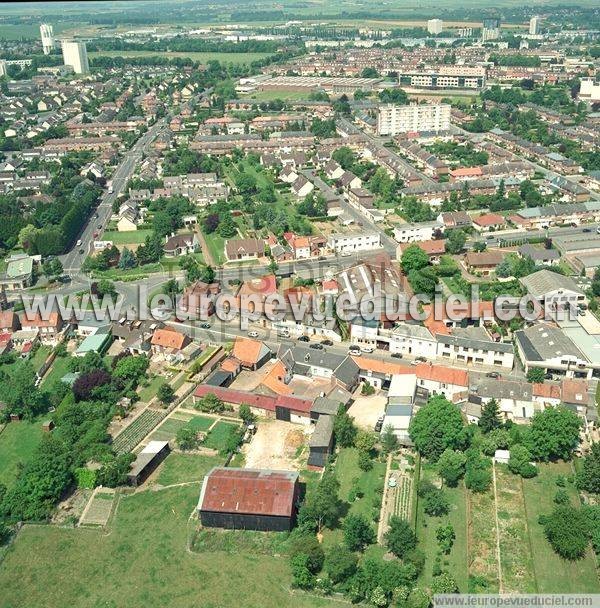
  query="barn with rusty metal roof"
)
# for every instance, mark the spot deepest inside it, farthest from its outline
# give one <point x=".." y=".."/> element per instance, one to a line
<point x="249" y="499"/>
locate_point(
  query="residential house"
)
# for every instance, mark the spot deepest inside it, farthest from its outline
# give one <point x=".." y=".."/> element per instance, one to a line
<point x="180" y="244"/>
<point x="49" y="329"/>
<point x="483" y="262"/>
<point x="244" y="249"/>
<point x="168" y="341"/>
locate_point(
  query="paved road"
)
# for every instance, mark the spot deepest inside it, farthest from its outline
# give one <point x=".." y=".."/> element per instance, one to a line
<point x="389" y="244"/>
<point x="222" y="332"/>
<point x="73" y="260"/>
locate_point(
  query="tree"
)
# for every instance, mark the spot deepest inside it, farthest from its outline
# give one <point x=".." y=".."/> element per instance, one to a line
<point x="52" y="267"/>
<point x="554" y="433"/>
<point x="186" y="438"/>
<point x="443" y="583"/>
<point x="435" y="503"/>
<point x="456" y="240"/>
<point x="588" y="478"/>
<point x="358" y="533"/>
<point x="519" y="462"/>
<point x="340" y="563"/>
<point x="413" y="258"/>
<point x="535" y="374"/>
<point x="400" y="537"/>
<point x="131" y="368"/>
<point x="127" y="259"/>
<point x="322" y="506"/>
<point x="165" y="393"/>
<point x="308" y="544"/>
<point x="84" y="385"/>
<point x="246" y="414"/>
<point x="451" y="466"/>
<point x="445" y="536"/>
<point x="437" y="426"/>
<point x="106" y="288"/>
<point x="344" y="429"/>
<point x="302" y="577"/>
<point x="490" y="416"/>
<point x="344" y="157"/>
<point x="388" y="439"/>
<point x="567" y="531"/>
<point x="210" y="403"/>
<point x="227" y="227"/>
<point x="478" y="476"/>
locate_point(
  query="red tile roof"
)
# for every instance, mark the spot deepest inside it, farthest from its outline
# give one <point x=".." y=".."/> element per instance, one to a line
<point x="264" y="402"/>
<point x="169" y="338"/>
<point x="250" y="492"/>
<point x="441" y="373"/>
<point x="489" y="219"/>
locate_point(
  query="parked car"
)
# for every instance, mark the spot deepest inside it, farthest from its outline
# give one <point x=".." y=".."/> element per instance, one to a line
<point x="586" y="230"/>
<point x="379" y="423"/>
<point x="397" y="355"/>
<point x="205" y="326"/>
<point x="252" y="334"/>
<point x="326" y="342"/>
<point x="303" y="339"/>
<point x="354" y="350"/>
<point x="367" y="349"/>
<point x="421" y="359"/>
<point x="492" y="375"/>
<point x="81" y="252"/>
<point x="317" y="346"/>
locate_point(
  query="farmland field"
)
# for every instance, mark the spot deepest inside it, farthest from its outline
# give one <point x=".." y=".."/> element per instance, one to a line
<point x="235" y="58"/>
<point x="140" y="564"/>
<point x="168" y="429"/>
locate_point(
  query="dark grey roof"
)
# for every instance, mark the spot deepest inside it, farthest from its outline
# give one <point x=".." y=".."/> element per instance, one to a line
<point x="325" y="405"/>
<point x="489" y="388"/>
<point x="544" y="281"/>
<point x="323" y="433"/>
<point x="501" y="347"/>
<point x="543" y="342"/>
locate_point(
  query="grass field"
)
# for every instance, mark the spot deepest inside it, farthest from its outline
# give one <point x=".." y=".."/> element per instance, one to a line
<point x="18" y="442"/>
<point x="129" y="237"/>
<point x="147" y="393"/>
<point x="272" y="95"/>
<point x="216" y="246"/>
<point x="456" y="561"/>
<point x="235" y="58"/>
<point x="181" y="468"/>
<point x="553" y="574"/>
<point x="141" y="563"/>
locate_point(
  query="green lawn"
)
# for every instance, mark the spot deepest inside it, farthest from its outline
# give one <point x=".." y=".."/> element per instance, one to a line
<point x="235" y="58"/>
<point x="18" y="442"/>
<point x="216" y="246"/>
<point x="59" y="368"/>
<point x="180" y="468"/>
<point x="168" y="429"/>
<point x="218" y="435"/>
<point x="147" y="393"/>
<point x="144" y="561"/>
<point x="553" y="574"/>
<point x="41" y="354"/>
<point x="129" y="237"/>
<point x="456" y="562"/>
<point x="369" y="482"/>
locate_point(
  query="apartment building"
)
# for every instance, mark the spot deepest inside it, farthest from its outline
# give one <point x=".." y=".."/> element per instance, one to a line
<point x="346" y="243"/>
<point x="393" y="119"/>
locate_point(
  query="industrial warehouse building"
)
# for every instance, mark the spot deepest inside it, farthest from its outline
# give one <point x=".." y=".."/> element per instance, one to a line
<point x="249" y="499"/>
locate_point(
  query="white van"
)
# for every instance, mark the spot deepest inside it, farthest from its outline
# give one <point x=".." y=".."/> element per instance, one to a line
<point x="79" y="243"/>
